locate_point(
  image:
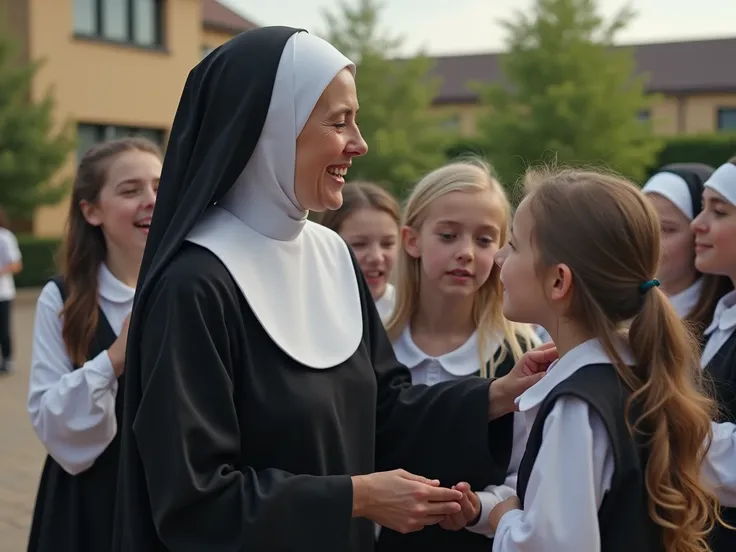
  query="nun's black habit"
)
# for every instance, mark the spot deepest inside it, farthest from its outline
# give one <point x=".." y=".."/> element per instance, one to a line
<point x="228" y="443"/>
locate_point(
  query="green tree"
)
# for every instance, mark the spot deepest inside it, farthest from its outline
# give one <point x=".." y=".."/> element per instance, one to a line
<point x="31" y="152"/>
<point x="568" y="96"/>
<point x="405" y="140"/>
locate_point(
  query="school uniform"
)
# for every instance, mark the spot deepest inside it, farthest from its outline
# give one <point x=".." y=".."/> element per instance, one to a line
<point x="9" y="254"/>
<point x="493" y="484"/>
<point x="719" y="356"/>
<point x="581" y="479"/>
<point x="385" y="303"/>
<point x="75" y="411"/>
<point x="718" y="467"/>
<point x="719" y="362"/>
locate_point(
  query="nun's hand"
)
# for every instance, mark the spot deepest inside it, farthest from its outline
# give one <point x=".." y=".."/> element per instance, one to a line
<point x="403" y="501"/>
<point x="529" y="369"/>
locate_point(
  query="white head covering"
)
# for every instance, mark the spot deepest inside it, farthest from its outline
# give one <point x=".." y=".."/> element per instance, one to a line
<point x="297" y="276"/>
<point x="673" y="187"/>
<point x="723" y="181"/>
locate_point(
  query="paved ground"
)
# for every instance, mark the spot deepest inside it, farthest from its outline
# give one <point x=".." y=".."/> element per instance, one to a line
<point x="21" y="455"/>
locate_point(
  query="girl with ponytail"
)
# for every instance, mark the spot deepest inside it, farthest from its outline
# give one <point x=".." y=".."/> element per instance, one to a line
<point x="617" y="426"/>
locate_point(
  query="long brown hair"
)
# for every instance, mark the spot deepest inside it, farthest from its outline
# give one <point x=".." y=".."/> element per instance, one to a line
<point x="84" y="248"/>
<point x="607" y="233"/>
<point x="361" y="195"/>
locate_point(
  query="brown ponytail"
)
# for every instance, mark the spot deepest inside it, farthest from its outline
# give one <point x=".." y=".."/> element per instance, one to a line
<point x="677" y="414"/>
<point x="607" y="233"/>
<point x="84" y="248"/>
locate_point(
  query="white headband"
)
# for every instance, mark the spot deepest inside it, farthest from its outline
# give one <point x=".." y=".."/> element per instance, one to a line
<point x="723" y="181"/>
<point x="673" y="187"/>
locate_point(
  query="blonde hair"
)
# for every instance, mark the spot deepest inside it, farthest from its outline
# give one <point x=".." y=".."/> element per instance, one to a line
<point x="607" y="233"/>
<point x="468" y="175"/>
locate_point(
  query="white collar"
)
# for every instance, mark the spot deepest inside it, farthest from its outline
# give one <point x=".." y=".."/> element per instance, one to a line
<point x="385" y="303"/>
<point x="724" y="317"/>
<point x="684" y="301"/>
<point x="463" y="361"/>
<point x="111" y="288"/>
<point x="585" y="354"/>
<point x="298" y="277"/>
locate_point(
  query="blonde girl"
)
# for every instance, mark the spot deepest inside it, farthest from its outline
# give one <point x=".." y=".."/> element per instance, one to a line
<point x="448" y="321"/>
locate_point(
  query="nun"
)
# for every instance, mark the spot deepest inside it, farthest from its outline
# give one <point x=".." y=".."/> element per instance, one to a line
<point x="676" y="192"/>
<point x="264" y="407"/>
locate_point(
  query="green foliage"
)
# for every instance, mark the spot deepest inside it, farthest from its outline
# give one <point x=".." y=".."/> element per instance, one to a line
<point x="568" y="97"/>
<point x="405" y="140"/>
<point x="30" y="152"/>
<point x="39" y="260"/>
<point x="711" y="149"/>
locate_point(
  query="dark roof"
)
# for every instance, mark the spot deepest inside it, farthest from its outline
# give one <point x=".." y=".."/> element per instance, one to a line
<point x="219" y="17"/>
<point x="672" y="68"/>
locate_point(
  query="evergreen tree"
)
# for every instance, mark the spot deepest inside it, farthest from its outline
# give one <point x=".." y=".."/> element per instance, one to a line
<point x="569" y="96"/>
<point x="30" y="151"/>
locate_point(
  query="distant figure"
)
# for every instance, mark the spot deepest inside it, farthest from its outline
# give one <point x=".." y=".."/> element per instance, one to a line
<point x="10" y="264"/>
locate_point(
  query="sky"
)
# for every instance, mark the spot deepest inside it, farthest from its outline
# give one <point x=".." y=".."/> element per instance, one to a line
<point x="440" y="27"/>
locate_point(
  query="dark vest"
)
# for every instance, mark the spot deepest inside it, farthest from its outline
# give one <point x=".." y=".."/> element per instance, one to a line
<point x="74" y="513"/>
<point x="625" y="525"/>
<point x="435" y="539"/>
<point x="721" y="371"/>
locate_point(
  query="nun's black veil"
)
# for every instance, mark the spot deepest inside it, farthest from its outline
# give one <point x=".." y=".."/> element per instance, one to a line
<point x="217" y="125"/>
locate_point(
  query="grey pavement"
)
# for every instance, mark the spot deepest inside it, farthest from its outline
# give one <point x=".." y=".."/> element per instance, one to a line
<point x="21" y="454"/>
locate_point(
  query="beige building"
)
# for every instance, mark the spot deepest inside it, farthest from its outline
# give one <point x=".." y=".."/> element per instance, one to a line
<point x="116" y="67"/>
<point x="695" y="83"/>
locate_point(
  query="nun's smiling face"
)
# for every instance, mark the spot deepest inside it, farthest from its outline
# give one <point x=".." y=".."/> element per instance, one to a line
<point x="327" y="144"/>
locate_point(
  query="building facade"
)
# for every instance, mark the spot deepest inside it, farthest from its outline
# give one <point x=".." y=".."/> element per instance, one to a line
<point x="116" y="67"/>
<point x="694" y="83"/>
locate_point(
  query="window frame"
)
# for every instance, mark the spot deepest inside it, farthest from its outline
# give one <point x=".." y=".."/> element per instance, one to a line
<point x="721" y="113"/>
<point x="130" y="7"/>
<point x="103" y="132"/>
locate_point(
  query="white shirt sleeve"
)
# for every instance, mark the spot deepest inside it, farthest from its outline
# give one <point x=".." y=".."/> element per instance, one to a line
<point x="568" y="481"/>
<point x="14" y="255"/>
<point x="72" y="411"/>
<point x="719" y="466"/>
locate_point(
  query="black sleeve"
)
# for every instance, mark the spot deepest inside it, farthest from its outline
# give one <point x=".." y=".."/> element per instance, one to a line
<point x="441" y="432"/>
<point x="188" y="437"/>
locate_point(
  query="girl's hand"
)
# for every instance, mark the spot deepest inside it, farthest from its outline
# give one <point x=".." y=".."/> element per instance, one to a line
<point x="470" y="510"/>
<point x="530" y="368"/>
<point x="494" y="518"/>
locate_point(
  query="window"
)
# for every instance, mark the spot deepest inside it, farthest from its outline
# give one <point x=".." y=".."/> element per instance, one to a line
<point x="451" y="124"/>
<point x="643" y="115"/>
<point x="727" y="118"/>
<point x="89" y="135"/>
<point x="128" y="21"/>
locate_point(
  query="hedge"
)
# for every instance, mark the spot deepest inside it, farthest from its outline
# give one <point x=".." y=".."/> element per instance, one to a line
<point x="711" y="149"/>
<point x="39" y="260"/>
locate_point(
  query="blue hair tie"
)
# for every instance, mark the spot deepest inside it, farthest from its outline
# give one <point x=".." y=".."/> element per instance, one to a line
<point x="649" y="284"/>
